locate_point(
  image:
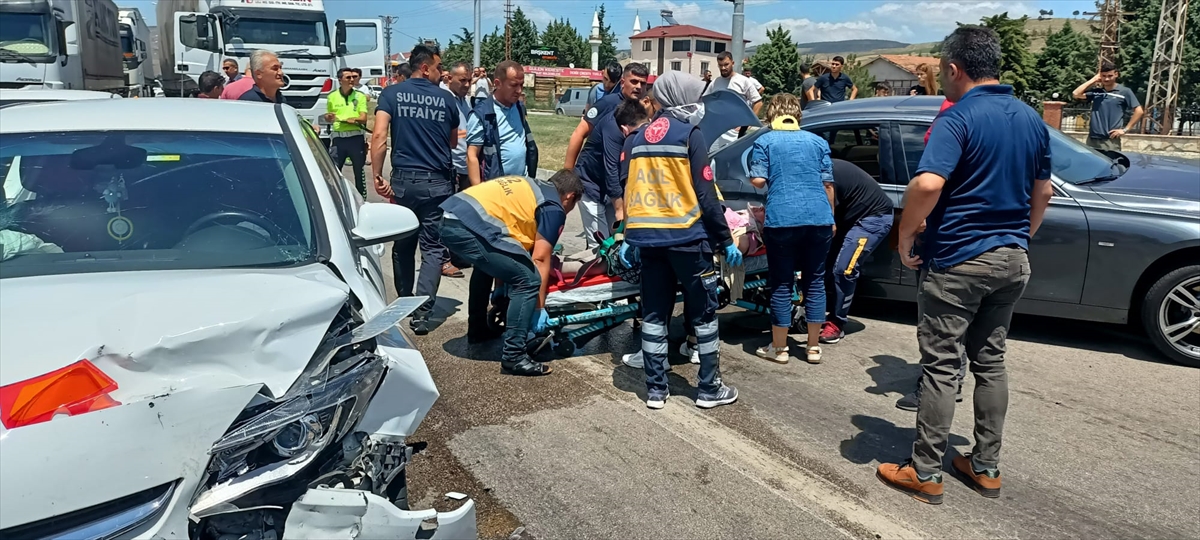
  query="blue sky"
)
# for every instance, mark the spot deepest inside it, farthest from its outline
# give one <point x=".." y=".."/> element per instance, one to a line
<point x="909" y="21"/>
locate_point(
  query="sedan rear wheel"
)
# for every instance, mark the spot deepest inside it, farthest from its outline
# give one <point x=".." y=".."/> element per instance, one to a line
<point x="1171" y="315"/>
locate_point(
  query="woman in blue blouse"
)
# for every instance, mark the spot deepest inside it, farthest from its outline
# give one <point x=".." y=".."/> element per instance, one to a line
<point x="795" y="167"/>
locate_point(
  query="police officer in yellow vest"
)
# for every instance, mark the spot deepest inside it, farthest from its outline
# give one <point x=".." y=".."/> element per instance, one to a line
<point x="347" y="110"/>
<point x="673" y="218"/>
<point x="506" y="228"/>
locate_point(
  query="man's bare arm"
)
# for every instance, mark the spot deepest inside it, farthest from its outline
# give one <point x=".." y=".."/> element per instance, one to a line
<point x="757" y="107"/>
<point x="1042" y="191"/>
<point x="1080" y="91"/>
<point x="1135" y="118"/>
<point x="542" y="250"/>
<point x="853" y="92"/>
<point x="919" y="199"/>
<point x="379" y="142"/>
<point x="473" y="164"/>
<point x="576" y="144"/>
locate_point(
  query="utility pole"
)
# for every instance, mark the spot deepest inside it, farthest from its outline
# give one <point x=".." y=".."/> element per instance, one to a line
<point x="475" y="54"/>
<point x="738" y="33"/>
<point x="1111" y="18"/>
<point x="387" y="42"/>
<point x="507" y="32"/>
<point x="1163" y="92"/>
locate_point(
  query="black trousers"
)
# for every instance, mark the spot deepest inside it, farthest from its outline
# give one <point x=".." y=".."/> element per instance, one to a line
<point x="354" y="149"/>
<point x="423" y="193"/>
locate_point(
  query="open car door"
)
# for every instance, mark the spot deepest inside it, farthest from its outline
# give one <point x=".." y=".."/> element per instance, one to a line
<point x="723" y="111"/>
<point x="358" y="43"/>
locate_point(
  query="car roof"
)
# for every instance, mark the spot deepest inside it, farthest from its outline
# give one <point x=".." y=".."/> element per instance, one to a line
<point x="882" y="107"/>
<point x="147" y="114"/>
<point x="49" y="94"/>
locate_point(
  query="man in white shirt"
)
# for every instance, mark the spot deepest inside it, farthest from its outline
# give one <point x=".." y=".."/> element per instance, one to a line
<point x="738" y="84"/>
<point x="754" y="82"/>
<point x="481" y="88"/>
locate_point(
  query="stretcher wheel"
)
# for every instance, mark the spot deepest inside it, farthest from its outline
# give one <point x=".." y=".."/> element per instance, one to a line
<point x="564" y="347"/>
<point x="497" y="315"/>
<point x="798" y="324"/>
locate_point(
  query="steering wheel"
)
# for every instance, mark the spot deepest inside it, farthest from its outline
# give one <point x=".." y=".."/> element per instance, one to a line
<point x="273" y="231"/>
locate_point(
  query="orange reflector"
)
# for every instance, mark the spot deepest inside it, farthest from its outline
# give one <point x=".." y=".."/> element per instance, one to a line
<point x="76" y="389"/>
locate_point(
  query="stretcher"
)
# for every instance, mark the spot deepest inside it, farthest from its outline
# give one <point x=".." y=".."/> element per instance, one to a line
<point x="580" y="307"/>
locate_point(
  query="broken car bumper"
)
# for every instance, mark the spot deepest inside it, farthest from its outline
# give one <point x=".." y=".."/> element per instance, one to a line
<point x="337" y="514"/>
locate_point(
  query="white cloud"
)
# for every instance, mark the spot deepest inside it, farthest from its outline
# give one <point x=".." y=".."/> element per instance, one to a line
<point x="893" y="20"/>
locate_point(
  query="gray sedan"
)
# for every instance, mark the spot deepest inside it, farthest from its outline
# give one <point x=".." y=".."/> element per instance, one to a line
<point x="1120" y="242"/>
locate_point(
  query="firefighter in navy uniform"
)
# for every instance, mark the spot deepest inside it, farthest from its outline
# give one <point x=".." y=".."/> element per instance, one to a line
<point x="506" y="228"/>
<point x="673" y="218"/>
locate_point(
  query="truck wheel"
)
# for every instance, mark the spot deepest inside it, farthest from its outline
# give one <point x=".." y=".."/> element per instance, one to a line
<point x="559" y="112"/>
<point x="1171" y="315"/>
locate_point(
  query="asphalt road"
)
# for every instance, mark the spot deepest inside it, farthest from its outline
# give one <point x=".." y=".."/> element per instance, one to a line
<point x="1102" y="438"/>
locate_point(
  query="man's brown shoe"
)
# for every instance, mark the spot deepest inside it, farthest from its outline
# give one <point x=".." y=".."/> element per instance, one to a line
<point x="903" y="478"/>
<point x="449" y="270"/>
<point x="986" y="485"/>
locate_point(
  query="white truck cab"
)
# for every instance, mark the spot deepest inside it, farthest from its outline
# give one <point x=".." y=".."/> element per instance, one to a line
<point x="135" y="43"/>
<point x="60" y="44"/>
<point x="205" y="32"/>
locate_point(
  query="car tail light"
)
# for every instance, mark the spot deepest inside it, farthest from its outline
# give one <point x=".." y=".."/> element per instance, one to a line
<point x="327" y="86"/>
<point x="75" y="389"/>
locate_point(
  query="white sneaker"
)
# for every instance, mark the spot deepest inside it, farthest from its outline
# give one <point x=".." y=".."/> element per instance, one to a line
<point x="693" y="354"/>
<point x="814" y="355"/>
<point x="634" y="360"/>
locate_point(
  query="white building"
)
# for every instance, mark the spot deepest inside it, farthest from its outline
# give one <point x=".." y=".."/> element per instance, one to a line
<point x="680" y="47"/>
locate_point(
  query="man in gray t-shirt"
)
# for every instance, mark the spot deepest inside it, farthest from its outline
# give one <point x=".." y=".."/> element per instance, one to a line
<point x="1111" y="102"/>
<point x="806" y="87"/>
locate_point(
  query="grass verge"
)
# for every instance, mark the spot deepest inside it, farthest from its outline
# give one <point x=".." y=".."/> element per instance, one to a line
<point x="552" y="134"/>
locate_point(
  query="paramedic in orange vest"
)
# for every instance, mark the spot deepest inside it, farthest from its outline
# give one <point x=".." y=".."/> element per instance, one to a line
<point x="506" y="228"/>
<point x="673" y="220"/>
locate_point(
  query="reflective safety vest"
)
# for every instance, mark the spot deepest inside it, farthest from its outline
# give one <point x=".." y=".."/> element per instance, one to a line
<point x="661" y="207"/>
<point x="502" y="210"/>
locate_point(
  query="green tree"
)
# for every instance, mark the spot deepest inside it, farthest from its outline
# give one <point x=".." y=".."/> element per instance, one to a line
<point x="460" y="49"/>
<point x="776" y="64"/>
<point x="608" y="43"/>
<point x="524" y="35"/>
<point x="1016" y="62"/>
<point x="1135" y="54"/>
<point x="566" y="41"/>
<point x="1068" y="59"/>
<point x="491" y="49"/>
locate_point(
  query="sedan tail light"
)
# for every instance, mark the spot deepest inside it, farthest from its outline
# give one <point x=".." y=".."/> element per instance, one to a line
<point x="75" y="389"/>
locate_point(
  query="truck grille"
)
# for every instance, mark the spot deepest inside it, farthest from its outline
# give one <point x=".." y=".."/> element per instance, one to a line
<point x="302" y="103"/>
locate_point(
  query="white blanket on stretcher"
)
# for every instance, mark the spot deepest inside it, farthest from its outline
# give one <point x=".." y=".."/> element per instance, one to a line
<point x="593" y="294"/>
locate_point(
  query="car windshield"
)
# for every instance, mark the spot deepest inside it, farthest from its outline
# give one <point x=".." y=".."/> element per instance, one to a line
<point x="121" y="201"/>
<point x="25" y="33"/>
<point x="276" y="31"/>
<point x="1072" y="161"/>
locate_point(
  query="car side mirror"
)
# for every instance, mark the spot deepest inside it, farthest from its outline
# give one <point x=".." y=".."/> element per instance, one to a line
<point x="382" y="222"/>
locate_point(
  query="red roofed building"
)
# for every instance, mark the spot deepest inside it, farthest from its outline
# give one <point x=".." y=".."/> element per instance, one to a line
<point x="680" y="47"/>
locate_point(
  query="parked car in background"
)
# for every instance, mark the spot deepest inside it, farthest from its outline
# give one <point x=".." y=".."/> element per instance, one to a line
<point x="1120" y="242"/>
<point x="196" y="337"/>
<point x="37" y="95"/>
<point x="573" y="102"/>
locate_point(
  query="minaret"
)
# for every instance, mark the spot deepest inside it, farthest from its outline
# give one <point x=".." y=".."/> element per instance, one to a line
<point x="595" y="40"/>
<point x="637" y="24"/>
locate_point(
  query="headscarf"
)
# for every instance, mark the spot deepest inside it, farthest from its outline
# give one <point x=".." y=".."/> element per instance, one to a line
<point x="679" y="94"/>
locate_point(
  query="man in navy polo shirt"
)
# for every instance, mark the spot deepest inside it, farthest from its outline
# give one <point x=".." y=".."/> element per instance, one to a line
<point x="983" y="191"/>
<point x="267" y="71"/>
<point x="832" y="86"/>
<point x="424" y="127"/>
<point x="594" y="153"/>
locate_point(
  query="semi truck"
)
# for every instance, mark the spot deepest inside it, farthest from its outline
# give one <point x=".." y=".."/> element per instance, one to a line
<point x="60" y="44"/>
<point x="198" y="35"/>
<point x="135" y="44"/>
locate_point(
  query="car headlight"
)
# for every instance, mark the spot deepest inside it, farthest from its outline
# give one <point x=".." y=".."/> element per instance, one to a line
<point x="305" y="423"/>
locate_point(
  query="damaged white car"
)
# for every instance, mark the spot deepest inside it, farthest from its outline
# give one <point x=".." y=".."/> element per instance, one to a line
<point x="195" y="338"/>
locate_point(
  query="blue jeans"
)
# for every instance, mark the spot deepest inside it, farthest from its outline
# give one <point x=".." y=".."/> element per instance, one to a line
<point x="861" y="240"/>
<point x="663" y="271"/>
<point x="516" y="271"/>
<point x="792" y="249"/>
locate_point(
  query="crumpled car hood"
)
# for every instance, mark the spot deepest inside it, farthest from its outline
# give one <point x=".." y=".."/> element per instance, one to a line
<point x="161" y="332"/>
